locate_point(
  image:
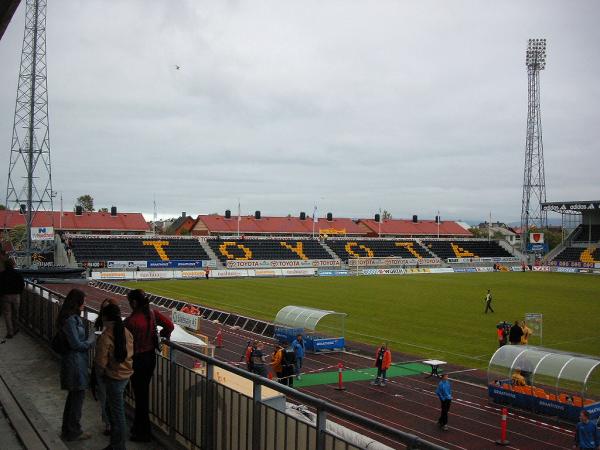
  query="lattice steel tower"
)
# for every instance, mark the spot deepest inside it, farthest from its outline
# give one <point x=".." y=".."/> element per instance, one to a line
<point x="29" y="187"/>
<point x="534" y="178"/>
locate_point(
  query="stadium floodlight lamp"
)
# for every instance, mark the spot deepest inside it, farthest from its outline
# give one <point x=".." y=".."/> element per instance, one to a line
<point x="535" y="56"/>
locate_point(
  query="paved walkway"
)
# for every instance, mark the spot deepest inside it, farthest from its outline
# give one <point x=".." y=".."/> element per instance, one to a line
<point x="26" y="360"/>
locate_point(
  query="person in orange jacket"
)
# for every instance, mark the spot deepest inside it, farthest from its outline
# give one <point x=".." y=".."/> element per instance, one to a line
<point x="383" y="361"/>
<point x="277" y="363"/>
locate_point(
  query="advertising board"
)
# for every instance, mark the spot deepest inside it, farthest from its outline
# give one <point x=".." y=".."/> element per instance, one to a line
<point x="186" y="320"/>
<point x="333" y="273"/>
<point x="176" y="264"/>
<point x="281" y="263"/>
<point x="42" y="233"/>
<point x="365" y="262"/>
<point x="299" y="272"/>
<point x="112" y="275"/>
<point x="126" y="264"/>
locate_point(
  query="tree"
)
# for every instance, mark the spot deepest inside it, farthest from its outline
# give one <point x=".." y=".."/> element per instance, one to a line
<point x="86" y="202"/>
<point x="17" y="236"/>
<point x="2" y="207"/>
<point x="386" y="215"/>
<point x="104" y="210"/>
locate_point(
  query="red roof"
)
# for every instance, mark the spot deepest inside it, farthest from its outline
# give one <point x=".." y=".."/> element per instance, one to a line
<point x="88" y="221"/>
<point x="282" y="225"/>
<point x="422" y="227"/>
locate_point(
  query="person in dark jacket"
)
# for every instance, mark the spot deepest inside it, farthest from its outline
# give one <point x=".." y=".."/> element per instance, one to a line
<point x="11" y="286"/>
<point x="516" y="333"/>
<point x="142" y="324"/>
<point x="74" y="364"/>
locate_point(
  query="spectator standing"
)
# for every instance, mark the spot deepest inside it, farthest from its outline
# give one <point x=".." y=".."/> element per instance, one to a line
<point x="11" y="286"/>
<point x="289" y="365"/>
<point x="277" y="363"/>
<point x="526" y="333"/>
<point x="247" y="356"/>
<point x="114" y="365"/>
<point x="515" y="333"/>
<point x="258" y="360"/>
<point x="142" y="325"/>
<point x="444" y="393"/>
<point x="586" y="433"/>
<point x="299" y="350"/>
<point x="488" y="301"/>
<point x="97" y="382"/>
<point x="383" y="361"/>
<point x="74" y="364"/>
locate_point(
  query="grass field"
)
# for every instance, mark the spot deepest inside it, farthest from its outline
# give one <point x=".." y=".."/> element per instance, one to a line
<point x="430" y="316"/>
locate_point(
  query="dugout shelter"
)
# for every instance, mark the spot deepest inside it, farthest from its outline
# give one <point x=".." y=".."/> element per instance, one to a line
<point x="551" y="382"/>
<point x="292" y="320"/>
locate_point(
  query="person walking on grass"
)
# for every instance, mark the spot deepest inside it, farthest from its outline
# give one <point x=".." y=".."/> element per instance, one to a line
<point x="444" y="393"/>
<point x="383" y="361"/>
<point x="488" y="302"/>
<point x="587" y="436"/>
<point x="74" y="364"/>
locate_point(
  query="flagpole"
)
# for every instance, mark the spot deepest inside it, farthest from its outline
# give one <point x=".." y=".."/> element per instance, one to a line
<point x="314" y="221"/>
<point x="438" y="223"/>
<point x="380" y="218"/>
<point x="239" y="218"/>
<point x="61" y="211"/>
<point x="490" y="228"/>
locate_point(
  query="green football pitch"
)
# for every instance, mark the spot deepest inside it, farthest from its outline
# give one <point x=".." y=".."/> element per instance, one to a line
<point x="432" y="316"/>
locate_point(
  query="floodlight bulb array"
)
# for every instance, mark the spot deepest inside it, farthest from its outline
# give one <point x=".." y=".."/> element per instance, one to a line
<point x="535" y="57"/>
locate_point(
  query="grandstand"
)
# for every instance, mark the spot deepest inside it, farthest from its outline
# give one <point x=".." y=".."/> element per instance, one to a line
<point x="377" y="248"/>
<point x="103" y="249"/>
<point x="267" y="249"/>
<point x="448" y="249"/>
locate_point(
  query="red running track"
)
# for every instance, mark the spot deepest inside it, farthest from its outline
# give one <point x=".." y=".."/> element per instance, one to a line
<point x="406" y="403"/>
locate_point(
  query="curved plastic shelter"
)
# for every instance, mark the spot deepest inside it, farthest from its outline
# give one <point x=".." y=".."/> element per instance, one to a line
<point x="292" y="320"/>
<point x="544" y="380"/>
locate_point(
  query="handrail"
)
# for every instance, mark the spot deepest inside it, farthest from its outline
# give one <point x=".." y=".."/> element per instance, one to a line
<point x="323" y="407"/>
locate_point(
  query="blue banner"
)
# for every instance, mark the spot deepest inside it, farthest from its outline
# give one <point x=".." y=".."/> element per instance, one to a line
<point x="333" y="273"/>
<point x="537" y="248"/>
<point x="175" y="264"/>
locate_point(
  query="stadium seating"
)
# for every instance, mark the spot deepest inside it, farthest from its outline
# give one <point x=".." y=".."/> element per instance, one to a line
<point x="272" y="249"/>
<point x="347" y="248"/>
<point x="579" y="254"/>
<point x="136" y="249"/>
<point x="466" y="249"/>
<point x="583" y="235"/>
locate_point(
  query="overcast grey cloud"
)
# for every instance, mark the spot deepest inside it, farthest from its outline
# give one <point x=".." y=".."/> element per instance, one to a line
<point x="352" y="105"/>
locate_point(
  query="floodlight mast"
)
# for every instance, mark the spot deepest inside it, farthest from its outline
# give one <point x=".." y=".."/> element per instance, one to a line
<point x="29" y="186"/>
<point x="534" y="178"/>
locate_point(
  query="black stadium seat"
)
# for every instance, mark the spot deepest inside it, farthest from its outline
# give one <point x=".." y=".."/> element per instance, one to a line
<point x="272" y="249"/>
<point x="377" y="248"/>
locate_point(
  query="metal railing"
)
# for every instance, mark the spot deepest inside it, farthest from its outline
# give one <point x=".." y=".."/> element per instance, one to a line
<point x="200" y="412"/>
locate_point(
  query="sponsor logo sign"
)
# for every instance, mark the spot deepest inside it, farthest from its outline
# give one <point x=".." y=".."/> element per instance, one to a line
<point x="177" y="264"/>
<point x="152" y="274"/>
<point x="192" y="273"/>
<point x="186" y="320"/>
<point x="333" y="273"/>
<point x="228" y="273"/>
<point x="298" y="272"/>
<point x="392" y="261"/>
<point x="566" y="269"/>
<point x="267" y="272"/>
<point x="126" y="264"/>
<point x="42" y="233"/>
<point x="537" y="248"/>
<point x="112" y="275"/>
<point x="484" y="269"/>
<point x="281" y="263"/>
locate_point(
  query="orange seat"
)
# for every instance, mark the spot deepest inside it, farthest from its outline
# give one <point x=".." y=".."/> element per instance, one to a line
<point x="539" y="393"/>
<point x="562" y="398"/>
<point x="577" y="401"/>
<point x="527" y="390"/>
<point x="588" y="401"/>
<point x="506" y="387"/>
<point x="551" y="397"/>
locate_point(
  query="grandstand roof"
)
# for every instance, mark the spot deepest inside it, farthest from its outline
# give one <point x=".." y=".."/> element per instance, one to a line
<point x="88" y="221"/>
<point x="278" y="225"/>
<point x="420" y="228"/>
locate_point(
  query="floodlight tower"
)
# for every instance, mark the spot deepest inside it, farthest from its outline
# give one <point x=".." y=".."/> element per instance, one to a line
<point x="534" y="178"/>
<point x="29" y="187"/>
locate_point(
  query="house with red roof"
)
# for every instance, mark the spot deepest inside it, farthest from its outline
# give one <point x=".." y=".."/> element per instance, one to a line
<point x="85" y="223"/>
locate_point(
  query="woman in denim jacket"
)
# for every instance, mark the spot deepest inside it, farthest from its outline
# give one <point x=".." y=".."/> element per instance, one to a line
<point x="74" y="365"/>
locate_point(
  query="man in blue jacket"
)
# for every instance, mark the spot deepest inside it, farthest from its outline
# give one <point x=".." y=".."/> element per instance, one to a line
<point x="298" y="346"/>
<point x="586" y="433"/>
<point x="444" y="393"/>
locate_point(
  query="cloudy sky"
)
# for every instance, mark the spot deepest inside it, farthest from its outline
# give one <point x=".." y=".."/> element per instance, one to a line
<point x="411" y="106"/>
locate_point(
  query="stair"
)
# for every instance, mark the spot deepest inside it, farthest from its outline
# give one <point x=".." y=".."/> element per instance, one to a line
<point x="427" y="249"/>
<point x="211" y="254"/>
<point x="328" y="250"/>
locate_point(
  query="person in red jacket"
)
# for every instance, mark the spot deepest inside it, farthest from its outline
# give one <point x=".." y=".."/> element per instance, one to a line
<point x="383" y="361"/>
<point x="142" y="324"/>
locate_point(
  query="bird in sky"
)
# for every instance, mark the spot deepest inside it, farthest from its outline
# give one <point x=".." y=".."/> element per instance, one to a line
<point x="177" y="67"/>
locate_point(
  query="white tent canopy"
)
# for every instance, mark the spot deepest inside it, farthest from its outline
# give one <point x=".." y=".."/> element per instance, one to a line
<point x="303" y="317"/>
